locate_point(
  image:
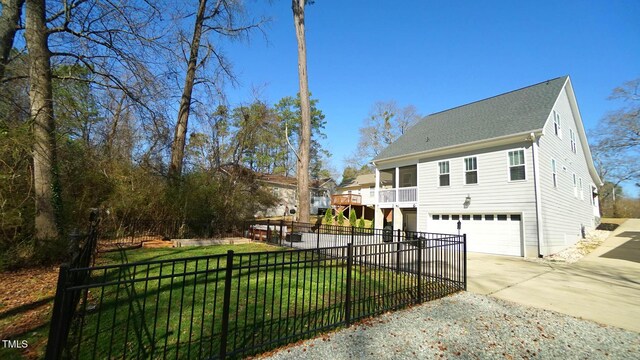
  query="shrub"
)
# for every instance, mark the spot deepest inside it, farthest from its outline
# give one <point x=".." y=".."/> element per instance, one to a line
<point x="328" y="216"/>
<point x="361" y="223"/>
<point x="340" y="218"/>
<point x="352" y="217"/>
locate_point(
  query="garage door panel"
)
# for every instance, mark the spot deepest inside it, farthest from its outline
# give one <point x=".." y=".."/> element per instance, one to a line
<point x="488" y="236"/>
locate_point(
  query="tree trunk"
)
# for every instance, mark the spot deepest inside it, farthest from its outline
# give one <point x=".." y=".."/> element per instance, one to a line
<point x="9" y="19"/>
<point x="40" y="95"/>
<point x="304" y="206"/>
<point x="180" y="136"/>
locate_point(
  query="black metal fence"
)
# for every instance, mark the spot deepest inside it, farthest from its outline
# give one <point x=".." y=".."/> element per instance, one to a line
<point x="133" y="232"/>
<point x="82" y="253"/>
<point x="310" y="235"/>
<point x="238" y="304"/>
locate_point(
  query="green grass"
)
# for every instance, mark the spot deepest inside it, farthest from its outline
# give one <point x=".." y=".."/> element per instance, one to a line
<point x="178" y="312"/>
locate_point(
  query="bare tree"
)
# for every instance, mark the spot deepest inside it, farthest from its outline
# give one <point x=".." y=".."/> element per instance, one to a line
<point x="304" y="201"/>
<point x="616" y="148"/>
<point x="9" y="22"/>
<point x="385" y="123"/>
<point x="220" y="18"/>
<point x="40" y="95"/>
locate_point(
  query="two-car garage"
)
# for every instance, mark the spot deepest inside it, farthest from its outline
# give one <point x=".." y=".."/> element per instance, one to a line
<point x="487" y="233"/>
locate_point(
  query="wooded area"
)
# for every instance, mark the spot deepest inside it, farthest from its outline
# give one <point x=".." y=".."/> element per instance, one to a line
<point x="88" y="88"/>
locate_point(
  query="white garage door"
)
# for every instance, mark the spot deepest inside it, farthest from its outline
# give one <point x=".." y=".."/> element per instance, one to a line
<point x="486" y="233"/>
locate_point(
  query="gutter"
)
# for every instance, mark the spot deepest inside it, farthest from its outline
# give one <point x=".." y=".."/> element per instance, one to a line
<point x="460" y="147"/>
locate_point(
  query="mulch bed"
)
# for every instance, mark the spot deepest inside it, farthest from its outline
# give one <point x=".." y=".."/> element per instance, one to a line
<point x="25" y="306"/>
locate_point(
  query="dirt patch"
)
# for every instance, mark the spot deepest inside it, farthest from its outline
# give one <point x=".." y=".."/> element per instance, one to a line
<point x="25" y="307"/>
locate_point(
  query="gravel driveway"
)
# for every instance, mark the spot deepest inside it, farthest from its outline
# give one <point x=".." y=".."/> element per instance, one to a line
<point x="470" y="326"/>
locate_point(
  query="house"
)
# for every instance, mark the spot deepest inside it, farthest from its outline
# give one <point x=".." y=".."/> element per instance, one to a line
<point x="515" y="170"/>
<point x="357" y="194"/>
<point x="284" y="188"/>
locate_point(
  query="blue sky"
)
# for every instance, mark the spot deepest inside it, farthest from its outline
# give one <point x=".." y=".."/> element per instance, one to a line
<point x="436" y="55"/>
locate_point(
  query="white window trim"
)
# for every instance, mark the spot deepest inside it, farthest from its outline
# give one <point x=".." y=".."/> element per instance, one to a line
<point x="572" y="139"/>
<point x="448" y="173"/>
<point x="554" y="173"/>
<point x="464" y="170"/>
<point x="524" y="155"/>
<point x="581" y="188"/>
<point x="557" y="123"/>
<point x="575" y="185"/>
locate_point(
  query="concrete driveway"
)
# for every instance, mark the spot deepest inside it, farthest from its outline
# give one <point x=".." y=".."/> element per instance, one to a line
<point x="603" y="286"/>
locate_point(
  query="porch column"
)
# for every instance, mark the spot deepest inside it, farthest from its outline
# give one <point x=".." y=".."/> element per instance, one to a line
<point x="396" y="183"/>
<point x="397" y="219"/>
<point x="378" y="216"/>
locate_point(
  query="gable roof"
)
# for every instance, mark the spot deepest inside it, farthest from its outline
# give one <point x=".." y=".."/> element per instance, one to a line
<point x="515" y="112"/>
<point x="359" y="181"/>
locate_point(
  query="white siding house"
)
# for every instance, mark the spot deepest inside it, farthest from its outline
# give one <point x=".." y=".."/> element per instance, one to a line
<point x="490" y="166"/>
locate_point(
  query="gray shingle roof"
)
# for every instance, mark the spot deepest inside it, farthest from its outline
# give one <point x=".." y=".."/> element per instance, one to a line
<point x="514" y="112"/>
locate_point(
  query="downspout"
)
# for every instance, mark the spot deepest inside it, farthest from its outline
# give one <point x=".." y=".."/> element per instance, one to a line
<point x="536" y="187"/>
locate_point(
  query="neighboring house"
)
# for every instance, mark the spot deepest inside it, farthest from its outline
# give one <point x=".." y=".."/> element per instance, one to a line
<point x="357" y="194"/>
<point x="514" y="169"/>
<point x="284" y="188"/>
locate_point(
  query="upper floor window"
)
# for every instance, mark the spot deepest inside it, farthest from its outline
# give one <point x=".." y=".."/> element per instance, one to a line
<point x="572" y="136"/>
<point x="516" y="165"/>
<point x="554" y="173"/>
<point x="581" y="189"/>
<point x="372" y="191"/>
<point x="471" y="170"/>
<point x="557" y="126"/>
<point x="444" y="173"/>
<point x="575" y="185"/>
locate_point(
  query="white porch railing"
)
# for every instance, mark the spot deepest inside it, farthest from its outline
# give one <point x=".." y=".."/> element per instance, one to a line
<point x="408" y="194"/>
<point x="387" y="196"/>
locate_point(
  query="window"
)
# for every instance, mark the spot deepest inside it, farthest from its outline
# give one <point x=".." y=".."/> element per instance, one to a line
<point x="435" y="217"/>
<point x="455" y="217"/>
<point x="445" y="217"/>
<point x="466" y="217"/>
<point x="572" y="136"/>
<point x="557" y="128"/>
<point x="502" y="217"/>
<point x="488" y="217"/>
<point x="444" y="173"/>
<point x="516" y="165"/>
<point x="372" y="191"/>
<point x="516" y="218"/>
<point x="581" y="189"/>
<point x="471" y="170"/>
<point x="575" y="185"/>
<point x="554" y="173"/>
<point x="477" y="217"/>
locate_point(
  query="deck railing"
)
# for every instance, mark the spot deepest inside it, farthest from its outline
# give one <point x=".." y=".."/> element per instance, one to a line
<point x="346" y="199"/>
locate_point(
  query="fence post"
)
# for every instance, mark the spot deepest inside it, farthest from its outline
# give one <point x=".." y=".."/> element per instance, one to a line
<point x="398" y="252"/>
<point x="226" y="304"/>
<point x="281" y="227"/>
<point x="464" y="249"/>
<point x="419" y="249"/>
<point x="318" y="238"/>
<point x="352" y="235"/>
<point x="268" y="239"/>
<point x="58" y="317"/>
<point x="347" y="307"/>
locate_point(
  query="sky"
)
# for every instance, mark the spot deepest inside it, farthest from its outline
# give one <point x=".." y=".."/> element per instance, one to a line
<point x="436" y="55"/>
